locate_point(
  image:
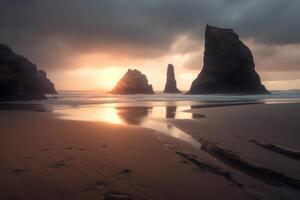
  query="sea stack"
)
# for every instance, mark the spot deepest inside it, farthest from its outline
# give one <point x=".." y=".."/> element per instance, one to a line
<point x="133" y="82"/>
<point x="228" y="66"/>
<point x="171" y="85"/>
<point x="18" y="77"/>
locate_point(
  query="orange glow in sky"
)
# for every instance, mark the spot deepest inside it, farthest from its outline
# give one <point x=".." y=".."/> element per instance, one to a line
<point x="101" y="71"/>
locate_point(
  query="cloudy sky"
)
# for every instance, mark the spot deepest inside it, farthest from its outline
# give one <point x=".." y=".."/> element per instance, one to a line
<point x="90" y="44"/>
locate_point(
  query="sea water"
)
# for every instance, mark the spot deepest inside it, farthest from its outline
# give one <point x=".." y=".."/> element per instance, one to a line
<point x="149" y="111"/>
<point x="152" y="111"/>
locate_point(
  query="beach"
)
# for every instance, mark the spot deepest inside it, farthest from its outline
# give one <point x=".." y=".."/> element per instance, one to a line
<point x="44" y="156"/>
<point x="149" y="100"/>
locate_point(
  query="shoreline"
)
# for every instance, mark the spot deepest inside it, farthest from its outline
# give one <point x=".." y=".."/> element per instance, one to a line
<point x="96" y="160"/>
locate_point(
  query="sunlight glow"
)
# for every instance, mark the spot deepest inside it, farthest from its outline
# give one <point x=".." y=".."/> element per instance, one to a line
<point x="109" y="76"/>
<point x="103" y="114"/>
<point x="93" y="78"/>
<point x="108" y="114"/>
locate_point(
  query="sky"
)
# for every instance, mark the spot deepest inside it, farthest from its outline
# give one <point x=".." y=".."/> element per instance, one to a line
<point x="90" y="44"/>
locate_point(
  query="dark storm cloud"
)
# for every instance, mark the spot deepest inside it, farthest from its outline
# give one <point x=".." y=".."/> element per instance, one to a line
<point x="267" y="57"/>
<point x="52" y="32"/>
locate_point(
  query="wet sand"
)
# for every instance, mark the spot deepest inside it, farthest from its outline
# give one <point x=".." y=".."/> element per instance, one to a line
<point x="46" y="158"/>
<point x="260" y="141"/>
<point x="43" y="157"/>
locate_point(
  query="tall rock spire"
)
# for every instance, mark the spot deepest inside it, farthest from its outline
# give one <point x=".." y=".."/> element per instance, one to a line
<point x="171" y="86"/>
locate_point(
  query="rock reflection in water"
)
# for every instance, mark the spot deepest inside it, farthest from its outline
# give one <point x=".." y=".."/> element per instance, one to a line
<point x="144" y="116"/>
<point x="169" y="126"/>
<point x="197" y="116"/>
<point x="171" y="112"/>
<point x="133" y="115"/>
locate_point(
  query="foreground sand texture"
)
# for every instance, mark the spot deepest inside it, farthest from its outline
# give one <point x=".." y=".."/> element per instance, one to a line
<point x="47" y="158"/>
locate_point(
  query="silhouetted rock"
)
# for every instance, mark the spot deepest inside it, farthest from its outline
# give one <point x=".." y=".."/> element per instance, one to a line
<point x="18" y="77"/>
<point x="133" y="82"/>
<point x="171" y="86"/>
<point x="46" y="86"/>
<point x="228" y="65"/>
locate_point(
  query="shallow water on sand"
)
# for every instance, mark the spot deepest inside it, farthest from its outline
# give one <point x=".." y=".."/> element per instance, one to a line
<point x="79" y="98"/>
<point x="155" y="117"/>
<point x="153" y="111"/>
<point x="149" y="111"/>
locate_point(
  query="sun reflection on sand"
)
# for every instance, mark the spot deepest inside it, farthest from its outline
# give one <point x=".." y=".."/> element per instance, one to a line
<point x="108" y="114"/>
<point x="104" y="114"/>
<point x="153" y="117"/>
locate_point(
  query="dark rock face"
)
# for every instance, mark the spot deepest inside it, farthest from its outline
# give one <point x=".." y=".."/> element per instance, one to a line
<point x="18" y="77"/>
<point x="171" y="85"/>
<point x="228" y="66"/>
<point x="46" y="86"/>
<point x="133" y="82"/>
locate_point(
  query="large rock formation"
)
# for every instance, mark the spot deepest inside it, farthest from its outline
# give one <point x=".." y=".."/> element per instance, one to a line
<point x="171" y="86"/>
<point x="133" y="82"/>
<point x="18" y="77"/>
<point x="46" y="86"/>
<point x="228" y="66"/>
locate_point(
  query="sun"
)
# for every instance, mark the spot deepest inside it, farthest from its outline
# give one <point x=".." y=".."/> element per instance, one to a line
<point x="109" y="76"/>
<point x="95" y="78"/>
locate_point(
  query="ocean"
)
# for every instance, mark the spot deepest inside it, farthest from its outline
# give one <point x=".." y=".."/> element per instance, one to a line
<point x="148" y="111"/>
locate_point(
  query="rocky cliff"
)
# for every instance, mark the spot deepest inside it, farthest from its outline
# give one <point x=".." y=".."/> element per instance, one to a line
<point x="133" y="82"/>
<point x="171" y="85"/>
<point x="18" y="77"/>
<point x="46" y="86"/>
<point x="228" y="66"/>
